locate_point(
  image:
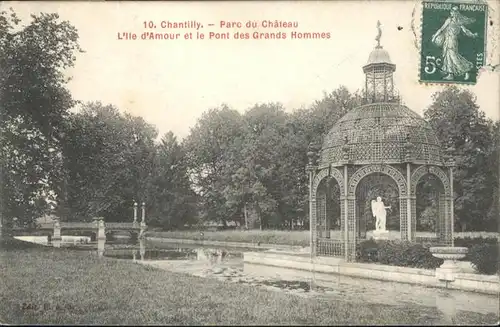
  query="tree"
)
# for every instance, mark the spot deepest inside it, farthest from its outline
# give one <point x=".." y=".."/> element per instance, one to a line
<point x="173" y="202"/>
<point x="268" y="178"/>
<point x="323" y="114"/>
<point x="108" y="163"/>
<point x="493" y="215"/>
<point x="34" y="102"/>
<point x="311" y="126"/>
<point x="212" y="143"/>
<point x="461" y="126"/>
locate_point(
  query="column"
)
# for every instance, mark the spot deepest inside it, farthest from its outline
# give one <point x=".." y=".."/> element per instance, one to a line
<point x="443" y="230"/>
<point x="56" y="239"/>
<point x="346" y="213"/>
<point x="143" y="222"/>
<point x="328" y="207"/>
<point x="409" y="217"/>
<point x="452" y="213"/>
<point x="135" y="212"/>
<point x="312" y="209"/>
<point x="101" y="231"/>
<point x="413" y="201"/>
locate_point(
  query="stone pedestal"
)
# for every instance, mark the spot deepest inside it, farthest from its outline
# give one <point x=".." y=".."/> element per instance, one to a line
<point x="57" y="232"/>
<point x="448" y="270"/>
<point x="101" y="232"/>
<point x="380" y="234"/>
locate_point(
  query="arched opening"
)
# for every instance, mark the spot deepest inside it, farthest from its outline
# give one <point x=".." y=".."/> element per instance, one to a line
<point x="431" y="210"/>
<point x="368" y="189"/>
<point x="328" y="217"/>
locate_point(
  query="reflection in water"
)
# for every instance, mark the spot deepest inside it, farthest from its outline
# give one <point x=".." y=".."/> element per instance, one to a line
<point x="449" y="302"/>
<point x="142" y="247"/>
<point x="65" y="240"/>
<point x="214" y="256"/>
<point x="100" y="246"/>
<point x="446" y="303"/>
<point x="56" y="243"/>
<point x="147" y="251"/>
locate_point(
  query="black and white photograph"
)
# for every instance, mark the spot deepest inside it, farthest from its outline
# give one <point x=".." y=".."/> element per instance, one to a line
<point x="250" y="162"/>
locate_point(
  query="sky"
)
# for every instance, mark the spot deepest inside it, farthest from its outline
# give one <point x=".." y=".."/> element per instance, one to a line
<point x="170" y="83"/>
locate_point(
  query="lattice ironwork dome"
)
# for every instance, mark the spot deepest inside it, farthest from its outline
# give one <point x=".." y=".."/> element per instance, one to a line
<point x="381" y="133"/>
<point x="382" y="130"/>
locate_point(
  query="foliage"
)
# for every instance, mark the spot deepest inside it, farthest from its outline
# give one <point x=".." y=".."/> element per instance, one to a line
<point x="398" y="253"/>
<point x="210" y="148"/>
<point x="485" y="258"/>
<point x="367" y="251"/>
<point x="483" y="253"/>
<point x="245" y="167"/>
<point x="469" y="242"/>
<point x="173" y="202"/>
<point x="34" y="102"/>
<point x="108" y="161"/>
<point x="479" y="250"/>
<point x="463" y="130"/>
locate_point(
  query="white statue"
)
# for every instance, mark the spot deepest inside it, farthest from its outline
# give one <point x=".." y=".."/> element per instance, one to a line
<point x="379" y="212"/>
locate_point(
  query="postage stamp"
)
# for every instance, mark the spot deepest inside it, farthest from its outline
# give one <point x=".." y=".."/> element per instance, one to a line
<point x="453" y="41"/>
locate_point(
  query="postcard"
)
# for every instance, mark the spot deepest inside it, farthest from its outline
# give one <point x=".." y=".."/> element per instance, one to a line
<point x="249" y="162"/>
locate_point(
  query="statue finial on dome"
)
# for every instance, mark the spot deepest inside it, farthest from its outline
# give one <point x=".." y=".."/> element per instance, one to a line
<point x="379" y="35"/>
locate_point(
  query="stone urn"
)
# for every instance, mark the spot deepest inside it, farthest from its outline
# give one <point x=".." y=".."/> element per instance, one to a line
<point x="450" y="255"/>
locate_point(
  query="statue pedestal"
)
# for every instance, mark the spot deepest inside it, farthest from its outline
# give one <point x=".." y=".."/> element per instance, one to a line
<point x="448" y="270"/>
<point x="380" y="234"/>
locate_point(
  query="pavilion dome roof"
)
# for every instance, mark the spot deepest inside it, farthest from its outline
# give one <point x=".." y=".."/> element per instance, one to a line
<point x="379" y="56"/>
<point x="381" y="133"/>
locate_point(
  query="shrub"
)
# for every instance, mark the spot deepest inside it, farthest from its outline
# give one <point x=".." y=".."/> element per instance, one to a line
<point x="406" y="254"/>
<point x="367" y="251"/>
<point x="470" y="242"/>
<point x="397" y="253"/>
<point x="484" y="258"/>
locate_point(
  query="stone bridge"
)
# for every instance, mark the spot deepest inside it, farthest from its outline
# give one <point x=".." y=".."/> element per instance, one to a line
<point x="98" y="226"/>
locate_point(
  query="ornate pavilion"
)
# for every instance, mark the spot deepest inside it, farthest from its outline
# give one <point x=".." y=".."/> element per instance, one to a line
<point x="380" y="149"/>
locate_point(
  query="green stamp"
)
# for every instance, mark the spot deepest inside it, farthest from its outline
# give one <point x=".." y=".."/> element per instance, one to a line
<point x="453" y="41"/>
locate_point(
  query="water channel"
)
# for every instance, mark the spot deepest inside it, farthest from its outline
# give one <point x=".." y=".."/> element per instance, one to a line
<point x="226" y="264"/>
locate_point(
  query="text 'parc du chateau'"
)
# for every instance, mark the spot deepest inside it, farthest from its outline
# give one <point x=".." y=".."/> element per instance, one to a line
<point x="224" y="30"/>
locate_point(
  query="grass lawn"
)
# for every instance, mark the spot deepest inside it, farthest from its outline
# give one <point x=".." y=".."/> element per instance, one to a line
<point x="300" y="238"/>
<point x="283" y="237"/>
<point x="75" y="287"/>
